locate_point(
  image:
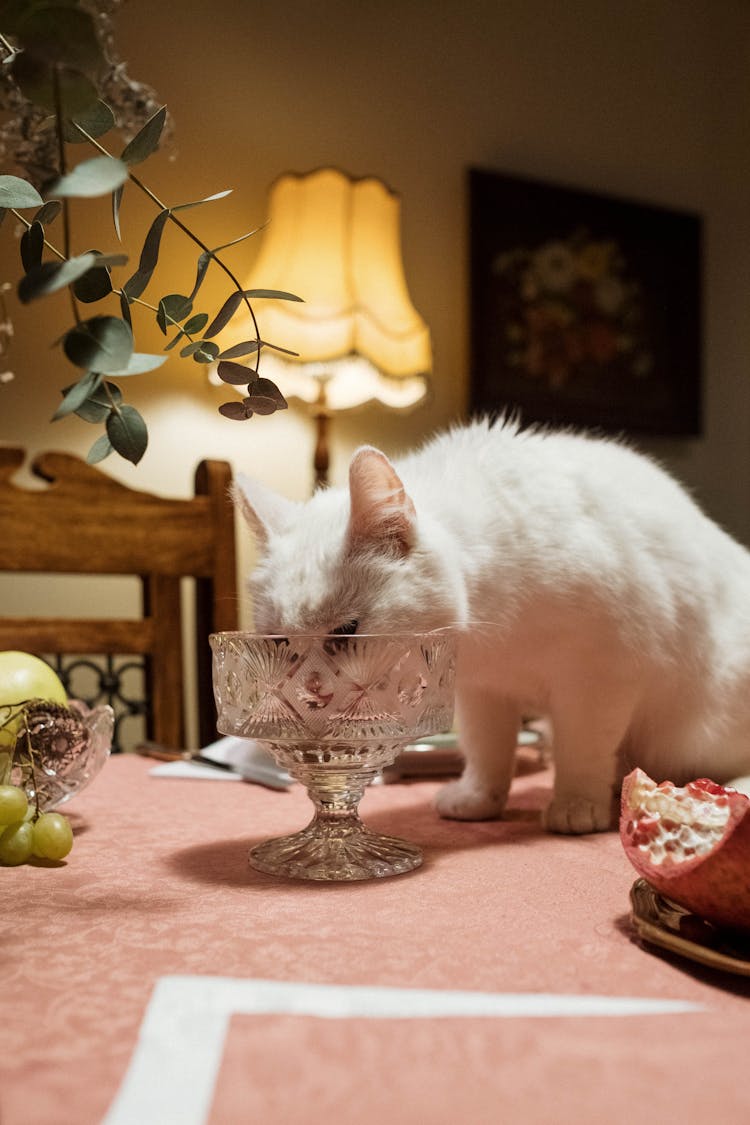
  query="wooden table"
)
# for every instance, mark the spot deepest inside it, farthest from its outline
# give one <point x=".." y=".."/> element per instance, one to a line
<point x="155" y="978"/>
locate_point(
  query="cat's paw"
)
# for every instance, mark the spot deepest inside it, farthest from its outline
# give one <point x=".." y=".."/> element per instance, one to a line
<point x="574" y="816"/>
<point x="460" y="800"/>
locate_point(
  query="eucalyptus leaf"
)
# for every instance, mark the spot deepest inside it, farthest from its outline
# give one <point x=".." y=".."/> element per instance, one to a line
<point x="208" y="199"/>
<point x="140" y="362"/>
<point x="225" y="313"/>
<point x="247" y="347"/>
<point x="97" y="120"/>
<point x="191" y="348"/>
<point x="49" y="212"/>
<point x="237" y="411"/>
<point x="101" y="448"/>
<point x="264" y="397"/>
<point x="268" y="389"/>
<point x="275" y="294"/>
<point x="61" y="34"/>
<point x="94" y="284"/>
<point x="127" y="432"/>
<point x="12" y="13"/>
<point x="207" y="353"/>
<point x="51" y="276"/>
<point x="261" y="404"/>
<point x="32" y="246"/>
<point x="18" y="193"/>
<point x="204" y="261"/>
<point x="234" y="373"/>
<point x="75" y="396"/>
<point x="103" y="344"/>
<point x="202" y="351"/>
<point x="116" y="203"/>
<point x="146" y="140"/>
<point x="196" y="323"/>
<point x="172" y="309"/>
<point x="34" y="77"/>
<point x="277" y="348"/>
<point x="135" y="285"/>
<point x="172" y="343"/>
<point x="234" y="300"/>
<point x="125" y="309"/>
<point x="92" y="178"/>
<point x="99" y="403"/>
<point x="241" y="238"/>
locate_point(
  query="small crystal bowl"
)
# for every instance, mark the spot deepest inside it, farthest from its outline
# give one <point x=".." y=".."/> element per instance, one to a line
<point x="69" y="747"/>
<point x="333" y="711"/>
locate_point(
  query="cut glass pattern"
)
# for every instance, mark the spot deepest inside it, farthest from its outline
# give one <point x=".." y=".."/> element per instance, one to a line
<point x="334" y="711"/>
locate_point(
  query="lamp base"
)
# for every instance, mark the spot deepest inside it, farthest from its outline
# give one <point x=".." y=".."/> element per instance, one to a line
<point x="321" y="456"/>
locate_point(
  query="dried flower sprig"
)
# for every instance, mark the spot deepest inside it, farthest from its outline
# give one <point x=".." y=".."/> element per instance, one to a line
<point x="43" y="740"/>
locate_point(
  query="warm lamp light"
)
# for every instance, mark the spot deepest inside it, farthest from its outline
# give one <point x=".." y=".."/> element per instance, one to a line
<point x="334" y="241"/>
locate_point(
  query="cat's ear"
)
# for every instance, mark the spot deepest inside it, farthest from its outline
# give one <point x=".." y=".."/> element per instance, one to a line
<point x="382" y="514"/>
<point x="265" y="512"/>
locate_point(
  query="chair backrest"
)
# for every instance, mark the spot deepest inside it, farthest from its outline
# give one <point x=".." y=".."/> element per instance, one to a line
<point x="86" y="522"/>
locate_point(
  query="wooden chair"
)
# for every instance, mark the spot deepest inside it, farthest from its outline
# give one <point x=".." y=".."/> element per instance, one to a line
<point x="85" y="522"/>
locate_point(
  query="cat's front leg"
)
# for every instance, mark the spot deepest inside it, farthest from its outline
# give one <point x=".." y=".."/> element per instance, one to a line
<point x="488" y="732"/>
<point x="588" y="730"/>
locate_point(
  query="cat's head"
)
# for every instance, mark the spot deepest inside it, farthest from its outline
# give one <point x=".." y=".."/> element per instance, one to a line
<point x="348" y="560"/>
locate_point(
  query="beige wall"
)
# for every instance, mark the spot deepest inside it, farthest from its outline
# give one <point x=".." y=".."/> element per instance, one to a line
<point x="647" y="99"/>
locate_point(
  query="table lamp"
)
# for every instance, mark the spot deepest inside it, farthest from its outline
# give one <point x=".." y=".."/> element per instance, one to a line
<point x="334" y="241"/>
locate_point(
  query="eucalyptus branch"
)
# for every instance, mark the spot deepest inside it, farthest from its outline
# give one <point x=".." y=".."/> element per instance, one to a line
<point x="61" y="157"/>
<point x="59" y="254"/>
<point x="186" y="230"/>
<point x="69" y="59"/>
<point x="113" y="403"/>
<point x="206" y="249"/>
<point x="139" y="301"/>
<point x="63" y="167"/>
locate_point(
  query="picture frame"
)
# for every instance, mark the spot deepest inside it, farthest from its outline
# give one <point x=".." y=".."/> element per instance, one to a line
<point x="585" y="309"/>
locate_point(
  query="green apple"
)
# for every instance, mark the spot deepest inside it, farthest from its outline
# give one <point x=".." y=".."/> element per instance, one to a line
<point x="23" y="676"/>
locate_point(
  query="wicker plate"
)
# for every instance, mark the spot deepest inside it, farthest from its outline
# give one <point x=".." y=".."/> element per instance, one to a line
<point x="664" y="923"/>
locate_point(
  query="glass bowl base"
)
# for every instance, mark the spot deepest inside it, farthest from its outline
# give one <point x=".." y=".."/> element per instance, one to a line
<point x="335" y="855"/>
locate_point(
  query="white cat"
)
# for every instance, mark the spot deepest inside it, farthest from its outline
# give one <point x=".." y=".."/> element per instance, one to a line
<point x="588" y="587"/>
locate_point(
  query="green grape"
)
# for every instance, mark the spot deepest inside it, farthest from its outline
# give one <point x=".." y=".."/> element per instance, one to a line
<point x="16" y="843"/>
<point x="13" y="804"/>
<point x="53" y="836"/>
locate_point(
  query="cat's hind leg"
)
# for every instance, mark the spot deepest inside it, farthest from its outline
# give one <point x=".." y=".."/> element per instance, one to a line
<point x="488" y="733"/>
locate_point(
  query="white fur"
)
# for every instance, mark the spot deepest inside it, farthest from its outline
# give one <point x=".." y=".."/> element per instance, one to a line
<point x="586" y="583"/>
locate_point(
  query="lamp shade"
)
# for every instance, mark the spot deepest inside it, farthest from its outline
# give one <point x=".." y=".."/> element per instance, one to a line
<point x="334" y="241"/>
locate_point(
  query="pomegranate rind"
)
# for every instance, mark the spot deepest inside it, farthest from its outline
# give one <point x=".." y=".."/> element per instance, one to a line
<point x="715" y="886"/>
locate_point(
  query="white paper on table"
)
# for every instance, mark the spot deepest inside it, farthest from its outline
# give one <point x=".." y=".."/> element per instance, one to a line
<point x="249" y="760"/>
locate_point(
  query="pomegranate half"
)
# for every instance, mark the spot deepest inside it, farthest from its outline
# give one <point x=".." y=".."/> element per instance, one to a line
<point x="691" y="844"/>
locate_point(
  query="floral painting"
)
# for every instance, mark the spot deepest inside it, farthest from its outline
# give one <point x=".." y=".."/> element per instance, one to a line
<point x="585" y="309"/>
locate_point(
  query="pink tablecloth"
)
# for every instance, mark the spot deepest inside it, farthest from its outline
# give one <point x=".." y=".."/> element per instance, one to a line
<point x="157" y="889"/>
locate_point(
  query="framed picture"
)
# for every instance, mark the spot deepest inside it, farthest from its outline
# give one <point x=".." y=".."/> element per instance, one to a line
<point x="585" y="308"/>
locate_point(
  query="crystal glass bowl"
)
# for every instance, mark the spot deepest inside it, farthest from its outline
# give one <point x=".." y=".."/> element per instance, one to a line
<point x="333" y="711"/>
<point x="60" y="750"/>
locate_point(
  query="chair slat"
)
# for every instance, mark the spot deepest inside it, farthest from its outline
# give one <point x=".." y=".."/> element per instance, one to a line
<point x="67" y="635"/>
<point x="85" y="522"/>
